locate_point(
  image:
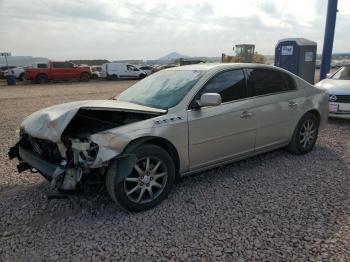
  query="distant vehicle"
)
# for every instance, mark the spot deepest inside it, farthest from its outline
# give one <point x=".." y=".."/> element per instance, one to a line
<point x="95" y="72"/>
<point x="17" y="71"/>
<point x="244" y="54"/>
<point x="114" y="71"/>
<point x="58" y="71"/>
<point x="190" y="62"/>
<point x="161" y="67"/>
<point x="3" y="69"/>
<point x="147" y="69"/>
<point x="338" y="87"/>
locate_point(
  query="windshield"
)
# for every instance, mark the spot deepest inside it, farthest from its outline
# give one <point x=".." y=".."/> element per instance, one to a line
<point x="342" y="74"/>
<point x="164" y="89"/>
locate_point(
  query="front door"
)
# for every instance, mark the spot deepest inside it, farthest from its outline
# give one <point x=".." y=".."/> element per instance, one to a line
<point x="132" y="71"/>
<point x="222" y="132"/>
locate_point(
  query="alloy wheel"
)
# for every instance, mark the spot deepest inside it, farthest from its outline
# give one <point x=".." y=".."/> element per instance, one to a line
<point x="307" y="133"/>
<point x="146" y="181"/>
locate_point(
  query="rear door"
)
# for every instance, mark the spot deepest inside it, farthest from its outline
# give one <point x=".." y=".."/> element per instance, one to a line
<point x="219" y="133"/>
<point x="62" y="70"/>
<point x="277" y="102"/>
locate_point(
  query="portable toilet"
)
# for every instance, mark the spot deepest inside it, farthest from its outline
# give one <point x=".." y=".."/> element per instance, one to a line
<point x="297" y="55"/>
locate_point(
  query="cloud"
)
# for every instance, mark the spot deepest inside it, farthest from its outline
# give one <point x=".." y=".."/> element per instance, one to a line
<point x="66" y="29"/>
<point x="269" y="8"/>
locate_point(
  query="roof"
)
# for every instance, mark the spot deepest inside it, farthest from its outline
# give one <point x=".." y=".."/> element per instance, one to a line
<point x="209" y="66"/>
<point x="299" y="41"/>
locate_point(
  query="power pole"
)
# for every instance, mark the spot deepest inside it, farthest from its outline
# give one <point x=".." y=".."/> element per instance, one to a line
<point x="328" y="38"/>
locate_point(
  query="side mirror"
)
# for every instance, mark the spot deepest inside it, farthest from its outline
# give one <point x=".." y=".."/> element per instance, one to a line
<point x="210" y="99"/>
<point x="328" y="75"/>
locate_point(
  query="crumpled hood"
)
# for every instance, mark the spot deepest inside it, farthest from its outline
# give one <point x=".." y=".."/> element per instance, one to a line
<point x="341" y="87"/>
<point x="49" y="123"/>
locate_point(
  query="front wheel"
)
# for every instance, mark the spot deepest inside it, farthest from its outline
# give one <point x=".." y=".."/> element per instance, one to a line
<point x="141" y="76"/>
<point x="305" y="135"/>
<point x="149" y="182"/>
<point x="22" y="77"/>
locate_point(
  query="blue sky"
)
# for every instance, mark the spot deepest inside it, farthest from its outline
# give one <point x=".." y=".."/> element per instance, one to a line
<point x="89" y="29"/>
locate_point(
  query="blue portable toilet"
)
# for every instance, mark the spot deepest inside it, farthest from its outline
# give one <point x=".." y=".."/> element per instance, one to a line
<point x="297" y="55"/>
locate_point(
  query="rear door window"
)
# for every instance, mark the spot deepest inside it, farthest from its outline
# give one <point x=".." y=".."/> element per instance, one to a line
<point x="267" y="81"/>
<point x="62" y="65"/>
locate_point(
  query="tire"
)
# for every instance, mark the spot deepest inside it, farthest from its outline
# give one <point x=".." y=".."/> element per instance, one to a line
<point x="141" y="76"/>
<point x="305" y="135"/>
<point x="114" y="77"/>
<point x="21" y="77"/>
<point x="41" y="79"/>
<point x="144" y="187"/>
<point x="84" y="77"/>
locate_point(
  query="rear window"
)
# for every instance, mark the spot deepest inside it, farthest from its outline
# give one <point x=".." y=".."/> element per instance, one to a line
<point x="62" y="65"/>
<point x="42" y="65"/>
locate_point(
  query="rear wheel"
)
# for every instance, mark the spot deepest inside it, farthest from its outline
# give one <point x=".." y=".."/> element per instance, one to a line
<point x="41" y="79"/>
<point x="305" y="135"/>
<point x="149" y="182"/>
<point x="84" y="77"/>
<point x="114" y="77"/>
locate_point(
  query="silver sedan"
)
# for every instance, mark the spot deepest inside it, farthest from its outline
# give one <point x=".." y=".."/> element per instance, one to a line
<point x="175" y="122"/>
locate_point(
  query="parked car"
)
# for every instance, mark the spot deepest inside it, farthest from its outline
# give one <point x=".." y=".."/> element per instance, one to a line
<point x="18" y="72"/>
<point x="114" y="71"/>
<point x="95" y="72"/>
<point x="338" y="87"/>
<point x="147" y="69"/>
<point x="161" y="67"/>
<point x="175" y="122"/>
<point x="58" y="71"/>
<point x="3" y="69"/>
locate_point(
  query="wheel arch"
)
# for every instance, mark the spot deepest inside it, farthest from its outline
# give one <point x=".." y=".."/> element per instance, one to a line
<point x="316" y="113"/>
<point x="41" y="74"/>
<point x="158" y="141"/>
<point x="85" y="73"/>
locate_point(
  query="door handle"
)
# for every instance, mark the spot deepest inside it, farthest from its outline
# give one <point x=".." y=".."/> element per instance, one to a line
<point x="292" y="104"/>
<point x="246" y="114"/>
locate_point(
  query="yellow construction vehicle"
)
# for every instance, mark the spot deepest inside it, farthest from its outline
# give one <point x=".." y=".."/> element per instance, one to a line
<point x="244" y="54"/>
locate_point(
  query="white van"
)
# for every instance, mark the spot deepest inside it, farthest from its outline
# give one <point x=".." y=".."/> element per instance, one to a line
<point x="115" y="71"/>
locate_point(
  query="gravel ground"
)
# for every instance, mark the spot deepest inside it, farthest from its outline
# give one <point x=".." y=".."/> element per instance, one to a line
<point x="273" y="207"/>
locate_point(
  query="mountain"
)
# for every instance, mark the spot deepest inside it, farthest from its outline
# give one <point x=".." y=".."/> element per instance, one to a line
<point x="173" y="56"/>
<point x="90" y="62"/>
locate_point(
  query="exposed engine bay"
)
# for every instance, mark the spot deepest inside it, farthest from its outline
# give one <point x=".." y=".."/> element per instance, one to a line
<point x="70" y="163"/>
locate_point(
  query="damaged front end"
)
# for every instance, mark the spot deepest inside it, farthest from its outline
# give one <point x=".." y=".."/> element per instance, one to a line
<point x="75" y="158"/>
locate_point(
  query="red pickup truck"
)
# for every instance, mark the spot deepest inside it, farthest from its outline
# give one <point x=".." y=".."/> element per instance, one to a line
<point x="58" y="71"/>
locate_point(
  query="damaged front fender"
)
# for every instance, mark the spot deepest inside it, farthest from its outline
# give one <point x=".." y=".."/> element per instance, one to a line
<point x="121" y="167"/>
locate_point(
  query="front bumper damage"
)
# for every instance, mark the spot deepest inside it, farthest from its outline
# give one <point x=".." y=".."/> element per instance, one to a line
<point x="68" y="174"/>
<point x="29" y="160"/>
<point x="72" y="143"/>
